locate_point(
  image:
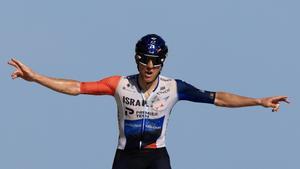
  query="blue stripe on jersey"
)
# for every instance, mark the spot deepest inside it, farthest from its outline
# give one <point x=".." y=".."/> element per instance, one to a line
<point x="188" y="92"/>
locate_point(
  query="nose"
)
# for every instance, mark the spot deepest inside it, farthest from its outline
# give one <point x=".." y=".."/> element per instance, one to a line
<point x="150" y="64"/>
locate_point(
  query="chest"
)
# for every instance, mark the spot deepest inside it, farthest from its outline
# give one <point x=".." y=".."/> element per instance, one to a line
<point x="136" y="105"/>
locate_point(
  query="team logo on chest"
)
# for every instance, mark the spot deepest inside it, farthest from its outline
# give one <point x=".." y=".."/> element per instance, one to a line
<point x="132" y="112"/>
<point x="134" y="102"/>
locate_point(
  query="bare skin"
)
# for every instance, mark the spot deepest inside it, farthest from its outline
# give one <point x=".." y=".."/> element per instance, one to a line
<point x="147" y="79"/>
<point x="70" y="87"/>
<point x="225" y="99"/>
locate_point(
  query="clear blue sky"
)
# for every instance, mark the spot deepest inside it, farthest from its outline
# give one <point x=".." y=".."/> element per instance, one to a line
<point x="249" y="48"/>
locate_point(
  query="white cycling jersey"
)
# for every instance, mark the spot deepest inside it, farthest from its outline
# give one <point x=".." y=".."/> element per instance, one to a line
<point x="143" y="122"/>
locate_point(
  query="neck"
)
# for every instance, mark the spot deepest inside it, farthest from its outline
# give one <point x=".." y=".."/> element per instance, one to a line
<point x="146" y="86"/>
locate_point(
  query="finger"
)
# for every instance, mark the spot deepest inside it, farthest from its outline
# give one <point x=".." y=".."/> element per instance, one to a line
<point x="277" y="107"/>
<point x="16" y="74"/>
<point x="18" y="63"/>
<point x="286" y="101"/>
<point x="12" y="63"/>
<point x="272" y="104"/>
<point x="279" y="98"/>
<point x="14" y="77"/>
<point x="282" y="98"/>
<point x="275" y="110"/>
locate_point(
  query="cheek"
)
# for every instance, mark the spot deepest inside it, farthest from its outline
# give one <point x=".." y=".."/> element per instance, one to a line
<point x="157" y="70"/>
<point x="140" y="67"/>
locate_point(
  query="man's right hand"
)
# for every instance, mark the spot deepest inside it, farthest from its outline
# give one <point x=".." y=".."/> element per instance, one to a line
<point x="71" y="87"/>
<point x="21" y="71"/>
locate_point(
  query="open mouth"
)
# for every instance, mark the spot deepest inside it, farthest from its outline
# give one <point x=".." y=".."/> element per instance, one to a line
<point x="148" y="73"/>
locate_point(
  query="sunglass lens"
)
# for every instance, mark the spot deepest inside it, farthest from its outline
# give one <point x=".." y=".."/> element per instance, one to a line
<point x="157" y="61"/>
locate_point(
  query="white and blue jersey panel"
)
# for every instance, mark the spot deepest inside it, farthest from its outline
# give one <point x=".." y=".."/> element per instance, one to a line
<point x="143" y="122"/>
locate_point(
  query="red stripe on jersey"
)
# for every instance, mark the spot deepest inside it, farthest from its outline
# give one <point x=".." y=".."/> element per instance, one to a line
<point x="106" y="86"/>
<point x="153" y="145"/>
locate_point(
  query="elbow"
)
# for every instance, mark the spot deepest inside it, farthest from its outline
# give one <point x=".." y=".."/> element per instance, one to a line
<point x="221" y="103"/>
<point x="74" y="94"/>
<point x="71" y="92"/>
<point x="221" y="100"/>
<point x="74" y="90"/>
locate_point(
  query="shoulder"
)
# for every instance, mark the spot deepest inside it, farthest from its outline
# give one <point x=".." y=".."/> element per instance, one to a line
<point x="174" y="81"/>
<point x="130" y="78"/>
<point x="120" y="78"/>
<point x="168" y="82"/>
<point x="166" y="79"/>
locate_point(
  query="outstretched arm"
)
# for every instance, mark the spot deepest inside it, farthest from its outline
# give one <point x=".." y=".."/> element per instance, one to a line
<point x="71" y="87"/>
<point x="225" y="99"/>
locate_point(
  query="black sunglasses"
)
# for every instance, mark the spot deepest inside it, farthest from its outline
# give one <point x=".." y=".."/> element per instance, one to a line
<point x="144" y="59"/>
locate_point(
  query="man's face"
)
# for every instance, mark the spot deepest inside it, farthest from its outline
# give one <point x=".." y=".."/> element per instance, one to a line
<point x="148" y="72"/>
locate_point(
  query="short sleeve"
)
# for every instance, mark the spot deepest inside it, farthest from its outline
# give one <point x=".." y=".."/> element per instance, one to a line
<point x="106" y="86"/>
<point x="188" y="92"/>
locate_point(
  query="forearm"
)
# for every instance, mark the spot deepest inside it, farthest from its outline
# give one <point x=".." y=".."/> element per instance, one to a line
<point x="225" y="99"/>
<point x="70" y="87"/>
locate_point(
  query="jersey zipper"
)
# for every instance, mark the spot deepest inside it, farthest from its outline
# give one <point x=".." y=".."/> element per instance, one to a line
<point x="146" y="108"/>
<point x="143" y="122"/>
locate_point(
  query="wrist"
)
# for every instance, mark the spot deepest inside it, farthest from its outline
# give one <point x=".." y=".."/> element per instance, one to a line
<point x="35" y="77"/>
<point x="259" y="101"/>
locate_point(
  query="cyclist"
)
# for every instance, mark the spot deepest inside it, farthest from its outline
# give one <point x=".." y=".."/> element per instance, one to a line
<point x="144" y="102"/>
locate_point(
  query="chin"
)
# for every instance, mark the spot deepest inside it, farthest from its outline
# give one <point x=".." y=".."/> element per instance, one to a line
<point x="148" y="79"/>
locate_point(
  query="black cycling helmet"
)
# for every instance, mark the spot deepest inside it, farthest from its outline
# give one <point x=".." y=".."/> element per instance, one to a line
<point x="151" y="45"/>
